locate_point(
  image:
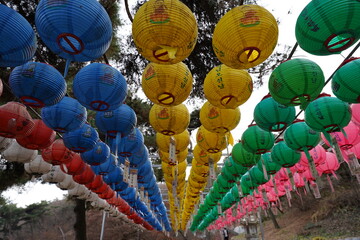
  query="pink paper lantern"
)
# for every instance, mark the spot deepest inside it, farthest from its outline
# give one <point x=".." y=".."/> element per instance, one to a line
<point x="330" y="165"/>
<point x="318" y="155"/>
<point x="346" y="142"/>
<point x="355" y="108"/>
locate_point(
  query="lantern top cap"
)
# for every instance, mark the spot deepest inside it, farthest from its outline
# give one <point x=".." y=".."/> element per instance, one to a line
<point x="323" y="95"/>
<point x="252" y="125"/>
<point x="298" y="120"/>
<point x="279" y="140"/>
<point x="346" y="61"/>
<point x="266" y="96"/>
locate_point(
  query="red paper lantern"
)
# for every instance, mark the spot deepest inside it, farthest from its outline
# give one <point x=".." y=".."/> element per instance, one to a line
<point x="101" y="188"/>
<point x="96" y="183"/>
<point x="40" y="137"/>
<point x="75" y="167"/>
<point x="109" y="193"/>
<point x="15" y="121"/>
<point x="87" y="176"/>
<point x="57" y="153"/>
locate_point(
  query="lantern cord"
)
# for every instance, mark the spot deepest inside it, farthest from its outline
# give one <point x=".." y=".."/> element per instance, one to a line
<point x="106" y="59"/>
<point x="128" y="11"/>
<point x="241" y="2"/>
<point x="293" y="51"/>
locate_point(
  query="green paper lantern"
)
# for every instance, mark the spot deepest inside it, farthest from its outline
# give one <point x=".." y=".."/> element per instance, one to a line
<point x="271" y="166"/>
<point x="247" y="181"/>
<point x="273" y="116"/>
<point x="328" y="26"/>
<point x="299" y="136"/>
<point x="243" y="157"/>
<point x="235" y="193"/>
<point x="328" y="114"/>
<point x="284" y="156"/>
<point x="343" y="83"/>
<point x="232" y="169"/>
<point x="257" y="140"/>
<point x="257" y="175"/>
<point x="296" y="82"/>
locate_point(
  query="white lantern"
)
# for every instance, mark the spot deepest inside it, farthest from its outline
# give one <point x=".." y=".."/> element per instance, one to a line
<point x="55" y="175"/>
<point x="37" y="166"/>
<point x="78" y="191"/>
<point x="5" y="143"/>
<point x="17" y="153"/>
<point x="92" y="197"/>
<point x="67" y="183"/>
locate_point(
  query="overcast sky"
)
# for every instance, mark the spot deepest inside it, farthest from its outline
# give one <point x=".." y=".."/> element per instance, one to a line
<point x="287" y="12"/>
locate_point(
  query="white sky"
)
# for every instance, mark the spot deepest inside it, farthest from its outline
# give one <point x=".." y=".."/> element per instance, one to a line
<point x="279" y="8"/>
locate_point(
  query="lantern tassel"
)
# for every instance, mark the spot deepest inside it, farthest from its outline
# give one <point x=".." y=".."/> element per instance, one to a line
<point x="170" y="50"/>
<point x="330" y="183"/>
<point x="67" y="65"/>
<point x="313" y="170"/>
<point x="291" y="177"/>
<point x="315" y="188"/>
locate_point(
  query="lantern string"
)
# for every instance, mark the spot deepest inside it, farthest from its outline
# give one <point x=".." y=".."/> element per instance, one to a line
<point x="128" y="11"/>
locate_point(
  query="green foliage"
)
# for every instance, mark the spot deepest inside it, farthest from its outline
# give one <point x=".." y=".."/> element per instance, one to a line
<point x="12" y="217"/>
<point x="11" y="174"/>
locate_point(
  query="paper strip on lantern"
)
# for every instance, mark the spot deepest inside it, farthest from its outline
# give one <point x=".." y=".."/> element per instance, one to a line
<point x="75" y="30"/>
<point x="18" y="40"/>
<point x="225" y="87"/>
<point x="37" y="84"/>
<point x="328" y="27"/>
<point x="100" y="87"/>
<point x="167" y="85"/>
<point x="245" y="36"/>
<point x="164" y="31"/>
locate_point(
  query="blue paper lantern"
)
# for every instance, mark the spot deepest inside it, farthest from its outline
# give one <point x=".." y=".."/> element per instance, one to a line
<point x="114" y="177"/>
<point x="78" y="30"/>
<point x="119" y="121"/>
<point x="137" y="159"/>
<point x="120" y="186"/>
<point x="129" y="145"/>
<point x="65" y="116"/>
<point x="17" y="38"/>
<point x="82" y="139"/>
<point x="129" y="195"/>
<point x="37" y="84"/>
<point x="108" y="166"/>
<point x="97" y="155"/>
<point x="100" y="87"/>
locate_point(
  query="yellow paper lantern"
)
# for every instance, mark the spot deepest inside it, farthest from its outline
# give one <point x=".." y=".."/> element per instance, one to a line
<point x="226" y="87"/>
<point x="202" y="156"/>
<point x="199" y="169"/>
<point x="180" y="157"/>
<point x="182" y="141"/>
<point x="167" y="85"/>
<point x="170" y="169"/>
<point x="198" y="178"/>
<point x="169" y="120"/>
<point x="245" y="36"/>
<point x="170" y="179"/>
<point x="219" y="120"/>
<point x="164" y="31"/>
<point x="212" y="142"/>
